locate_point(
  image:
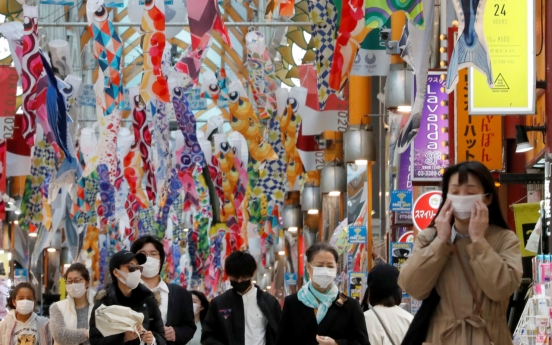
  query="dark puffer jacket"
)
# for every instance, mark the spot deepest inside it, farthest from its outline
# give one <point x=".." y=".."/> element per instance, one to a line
<point x="142" y="301"/>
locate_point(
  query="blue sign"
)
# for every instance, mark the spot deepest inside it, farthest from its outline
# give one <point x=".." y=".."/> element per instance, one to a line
<point x="291" y="279"/>
<point x="401" y="201"/>
<point x="20" y="273"/>
<point x="357" y="234"/>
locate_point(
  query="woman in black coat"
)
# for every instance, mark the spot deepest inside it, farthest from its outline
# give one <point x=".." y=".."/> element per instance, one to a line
<point x="127" y="291"/>
<point x="318" y="313"/>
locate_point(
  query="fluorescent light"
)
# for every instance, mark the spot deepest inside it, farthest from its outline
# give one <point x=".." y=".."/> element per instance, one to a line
<point x="361" y="162"/>
<point x="33" y="234"/>
<point x="404" y="108"/>
<point x="1" y="251"/>
<point x="66" y="266"/>
<point x="334" y="193"/>
<point x="51" y="250"/>
<point x="269" y="287"/>
<point x="523" y="147"/>
<point x="186" y="229"/>
<point x="18" y="211"/>
<point x="312" y="211"/>
<point x="254" y="281"/>
<point x="10" y="202"/>
<point x="292" y="229"/>
<point x="281" y="252"/>
<point x="15" y="222"/>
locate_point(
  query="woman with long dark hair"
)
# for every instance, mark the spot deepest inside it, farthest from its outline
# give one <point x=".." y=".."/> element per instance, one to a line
<point x="201" y="307"/>
<point x="470" y="258"/>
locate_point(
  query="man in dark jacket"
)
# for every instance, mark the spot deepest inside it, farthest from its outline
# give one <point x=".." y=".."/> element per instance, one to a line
<point x="177" y="309"/>
<point x="127" y="291"/>
<point x="243" y="315"/>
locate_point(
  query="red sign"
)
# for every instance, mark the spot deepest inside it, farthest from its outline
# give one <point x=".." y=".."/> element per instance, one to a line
<point x="425" y="209"/>
<point x="407" y="237"/>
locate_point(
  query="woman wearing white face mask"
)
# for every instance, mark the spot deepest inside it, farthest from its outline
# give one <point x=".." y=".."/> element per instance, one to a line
<point x="471" y="260"/>
<point x="179" y="322"/>
<point x="201" y="307"/>
<point x="318" y="313"/>
<point x="22" y="325"/>
<point x="70" y="317"/>
<point x="126" y="290"/>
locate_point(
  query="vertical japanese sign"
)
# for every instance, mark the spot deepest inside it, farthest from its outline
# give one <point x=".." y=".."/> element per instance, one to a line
<point x="8" y="100"/>
<point x="510" y="32"/>
<point x="372" y="58"/>
<point x="404" y="183"/>
<point x="478" y="138"/>
<point x="430" y="149"/>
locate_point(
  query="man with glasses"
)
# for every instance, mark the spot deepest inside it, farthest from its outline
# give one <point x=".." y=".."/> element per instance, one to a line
<point x="179" y="319"/>
<point x="126" y="290"/>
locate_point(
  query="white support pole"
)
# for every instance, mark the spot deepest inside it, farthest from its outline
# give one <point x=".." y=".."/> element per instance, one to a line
<point x="258" y="24"/>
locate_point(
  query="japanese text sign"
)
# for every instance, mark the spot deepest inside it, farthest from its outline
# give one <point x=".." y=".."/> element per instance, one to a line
<point x="430" y="149"/>
<point x="477" y="137"/>
<point x="425" y="209"/>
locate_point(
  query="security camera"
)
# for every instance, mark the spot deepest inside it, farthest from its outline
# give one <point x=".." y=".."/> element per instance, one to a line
<point x="385" y="35"/>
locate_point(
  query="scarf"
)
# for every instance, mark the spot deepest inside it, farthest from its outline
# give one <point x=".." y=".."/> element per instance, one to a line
<point x="310" y="297"/>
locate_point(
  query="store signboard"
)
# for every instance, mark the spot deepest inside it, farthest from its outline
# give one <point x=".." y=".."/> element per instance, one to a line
<point x="404" y="183"/>
<point x="430" y="150"/>
<point x="290" y="279"/>
<point x="425" y="209"/>
<point x="407" y="237"/>
<point x="510" y="31"/>
<point x="399" y="253"/>
<point x="478" y="138"/>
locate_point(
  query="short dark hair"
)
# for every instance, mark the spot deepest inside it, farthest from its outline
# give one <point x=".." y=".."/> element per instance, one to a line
<point x="320" y="247"/>
<point x="78" y="267"/>
<point x="142" y="241"/>
<point x="240" y="264"/>
<point x="204" y="304"/>
<point x="390" y="301"/>
<point x="15" y="290"/>
<point x="482" y="173"/>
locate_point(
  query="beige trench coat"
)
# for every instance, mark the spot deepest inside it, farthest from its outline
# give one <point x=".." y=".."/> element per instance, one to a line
<point x="495" y="271"/>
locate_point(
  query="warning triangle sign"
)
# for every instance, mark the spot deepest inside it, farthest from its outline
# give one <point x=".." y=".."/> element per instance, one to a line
<point x="500" y="83"/>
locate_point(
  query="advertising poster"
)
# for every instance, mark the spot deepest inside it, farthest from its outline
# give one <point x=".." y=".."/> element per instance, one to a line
<point x="404" y="183"/>
<point x="510" y="31"/>
<point x="401" y="201"/>
<point x="290" y="279"/>
<point x="399" y="253"/>
<point x="357" y="284"/>
<point x="526" y="216"/>
<point x="430" y="150"/>
<point x="357" y="234"/>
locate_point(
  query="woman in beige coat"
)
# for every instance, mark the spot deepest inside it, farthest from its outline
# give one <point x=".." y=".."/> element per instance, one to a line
<point x="469" y="218"/>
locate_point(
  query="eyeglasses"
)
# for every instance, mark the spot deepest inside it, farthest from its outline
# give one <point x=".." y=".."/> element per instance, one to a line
<point x="132" y="268"/>
<point x="74" y="281"/>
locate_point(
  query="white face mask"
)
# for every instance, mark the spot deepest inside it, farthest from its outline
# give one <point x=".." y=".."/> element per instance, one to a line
<point x="130" y="279"/>
<point x="76" y="290"/>
<point x="323" y="276"/>
<point x="196" y="309"/>
<point x="462" y="204"/>
<point x="24" y="307"/>
<point x="151" y="267"/>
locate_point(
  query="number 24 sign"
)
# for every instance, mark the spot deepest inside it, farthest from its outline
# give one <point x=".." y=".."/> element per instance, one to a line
<point x="425" y="209"/>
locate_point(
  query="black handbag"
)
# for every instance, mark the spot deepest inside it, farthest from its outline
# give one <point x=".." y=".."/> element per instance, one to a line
<point x="417" y="332"/>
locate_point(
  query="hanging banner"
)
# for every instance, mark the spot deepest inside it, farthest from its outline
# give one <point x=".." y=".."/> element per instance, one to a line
<point x="510" y="31"/>
<point x="357" y="284"/>
<point x="430" y="150"/>
<point x="425" y="209"/>
<point x="372" y="58"/>
<point x="18" y="156"/>
<point x="478" y="138"/>
<point x="404" y="183"/>
<point x="526" y="217"/>
<point x="399" y="252"/>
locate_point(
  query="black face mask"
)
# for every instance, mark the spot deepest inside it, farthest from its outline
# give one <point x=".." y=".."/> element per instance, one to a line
<point x="241" y="286"/>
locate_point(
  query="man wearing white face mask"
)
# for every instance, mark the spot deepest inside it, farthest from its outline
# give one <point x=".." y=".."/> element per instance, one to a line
<point x="178" y="320"/>
<point x="126" y="290"/>
<point x="70" y="316"/>
<point x="318" y="313"/>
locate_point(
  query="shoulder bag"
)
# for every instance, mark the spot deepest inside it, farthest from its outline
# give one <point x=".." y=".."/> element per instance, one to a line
<point x="384" y="327"/>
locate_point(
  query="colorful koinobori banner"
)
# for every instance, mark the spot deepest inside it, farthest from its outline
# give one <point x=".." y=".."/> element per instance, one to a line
<point x="430" y="149"/>
<point x="478" y="138"/>
<point x="88" y="97"/>
<point x="510" y="31"/>
<point x="372" y="58"/>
